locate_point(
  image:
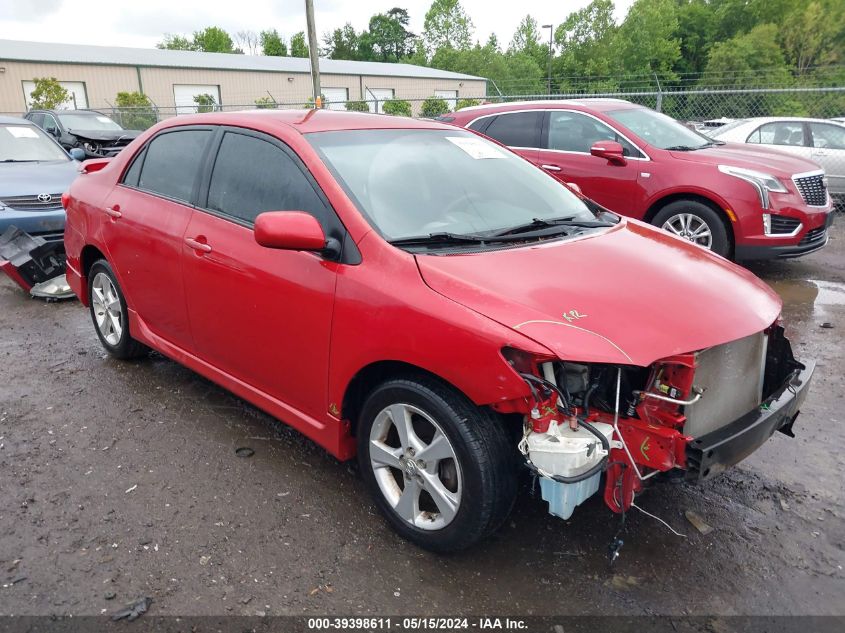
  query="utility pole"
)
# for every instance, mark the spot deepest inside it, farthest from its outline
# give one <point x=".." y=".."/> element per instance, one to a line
<point x="313" y="52"/>
<point x="551" y="34"/>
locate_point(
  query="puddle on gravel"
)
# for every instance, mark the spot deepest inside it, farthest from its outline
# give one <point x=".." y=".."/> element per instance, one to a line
<point x="810" y="293"/>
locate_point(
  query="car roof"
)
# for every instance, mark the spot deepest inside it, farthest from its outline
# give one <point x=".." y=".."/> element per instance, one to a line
<point x="14" y="120"/>
<point x="311" y="120"/>
<point x="600" y="104"/>
<point x="773" y="119"/>
<point x="63" y="111"/>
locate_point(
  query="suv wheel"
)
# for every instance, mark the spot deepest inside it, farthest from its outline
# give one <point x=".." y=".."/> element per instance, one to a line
<point x="441" y="470"/>
<point x="696" y="222"/>
<point x="109" y="314"/>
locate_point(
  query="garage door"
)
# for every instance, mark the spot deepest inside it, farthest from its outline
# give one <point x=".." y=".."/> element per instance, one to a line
<point x="183" y="95"/>
<point x="77" y="100"/>
<point x="379" y="95"/>
<point x="336" y="98"/>
<point x="449" y="96"/>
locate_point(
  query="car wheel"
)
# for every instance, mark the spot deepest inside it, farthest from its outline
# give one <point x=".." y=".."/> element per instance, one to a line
<point x="109" y="314"/>
<point x="441" y="470"/>
<point x="696" y="222"/>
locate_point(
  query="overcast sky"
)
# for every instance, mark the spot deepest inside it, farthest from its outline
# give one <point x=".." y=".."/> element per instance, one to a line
<point x="143" y="22"/>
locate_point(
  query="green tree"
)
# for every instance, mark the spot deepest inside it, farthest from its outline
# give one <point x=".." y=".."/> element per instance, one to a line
<point x="298" y="45"/>
<point x="137" y="112"/>
<point x="176" y="43"/>
<point x="205" y="102"/>
<point x="697" y="25"/>
<point x="389" y="36"/>
<point x="467" y="103"/>
<point x="585" y="40"/>
<point x="646" y="41"/>
<point x="213" y="39"/>
<point x="48" y="94"/>
<point x="343" y="43"/>
<point x="814" y="34"/>
<point x="397" y="107"/>
<point x="447" y="24"/>
<point x="526" y="40"/>
<point x="434" y="106"/>
<point x="272" y="44"/>
<point x="357" y="106"/>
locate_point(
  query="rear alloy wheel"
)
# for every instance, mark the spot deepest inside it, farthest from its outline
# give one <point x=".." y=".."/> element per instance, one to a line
<point x="109" y="313"/>
<point x="696" y="222"/>
<point x="441" y="470"/>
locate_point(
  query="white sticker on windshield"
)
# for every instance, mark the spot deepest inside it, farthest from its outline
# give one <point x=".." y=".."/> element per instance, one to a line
<point x="22" y="131"/>
<point x="103" y="119"/>
<point x="475" y="147"/>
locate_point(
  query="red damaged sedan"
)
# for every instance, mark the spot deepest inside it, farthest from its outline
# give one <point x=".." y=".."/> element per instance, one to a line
<point x="418" y="296"/>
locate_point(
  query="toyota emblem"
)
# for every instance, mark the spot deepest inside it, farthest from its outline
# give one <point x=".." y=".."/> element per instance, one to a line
<point x="44" y="197"/>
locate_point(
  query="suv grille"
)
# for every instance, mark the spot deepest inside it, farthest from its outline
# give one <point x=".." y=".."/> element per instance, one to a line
<point x="783" y="225"/>
<point x="812" y="189"/>
<point x="32" y="203"/>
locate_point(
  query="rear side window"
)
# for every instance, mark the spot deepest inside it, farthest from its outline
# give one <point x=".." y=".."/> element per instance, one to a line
<point x="171" y="163"/>
<point x="516" y="129"/>
<point x="37" y="118"/>
<point x="252" y="175"/>
<point x="779" y="133"/>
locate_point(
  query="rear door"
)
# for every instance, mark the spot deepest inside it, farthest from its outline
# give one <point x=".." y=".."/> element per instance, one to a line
<point x="518" y="130"/>
<point x="148" y="212"/>
<point x="260" y="315"/>
<point x="828" y="150"/>
<point x="565" y="153"/>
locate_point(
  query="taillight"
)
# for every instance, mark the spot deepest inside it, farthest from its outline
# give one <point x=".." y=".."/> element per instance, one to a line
<point x="65" y="199"/>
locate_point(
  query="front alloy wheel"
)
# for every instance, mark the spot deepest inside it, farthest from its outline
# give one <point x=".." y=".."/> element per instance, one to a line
<point x="690" y="227"/>
<point x="441" y="470"/>
<point x="697" y="222"/>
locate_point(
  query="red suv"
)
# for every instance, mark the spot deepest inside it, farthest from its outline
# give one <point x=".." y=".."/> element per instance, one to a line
<point x="423" y="297"/>
<point x="739" y="201"/>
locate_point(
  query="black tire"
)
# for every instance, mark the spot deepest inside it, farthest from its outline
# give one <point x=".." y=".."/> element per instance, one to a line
<point x="485" y="455"/>
<point x="721" y="242"/>
<point x="124" y="347"/>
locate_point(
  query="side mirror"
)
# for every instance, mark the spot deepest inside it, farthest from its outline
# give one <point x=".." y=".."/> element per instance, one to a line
<point x="289" y="230"/>
<point x="77" y="153"/>
<point x="575" y="188"/>
<point x="53" y="131"/>
<point x="609" y="150"/>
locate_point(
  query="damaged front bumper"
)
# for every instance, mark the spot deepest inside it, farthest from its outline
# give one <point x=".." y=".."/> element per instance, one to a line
<point x="35" y="264"/>
<point x="711" y="454"/>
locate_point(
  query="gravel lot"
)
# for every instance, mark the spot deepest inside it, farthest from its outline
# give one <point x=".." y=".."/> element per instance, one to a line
<point x="122" y="478"/>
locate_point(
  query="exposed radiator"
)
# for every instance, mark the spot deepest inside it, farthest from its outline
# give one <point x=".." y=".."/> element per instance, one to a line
<point x="732" y="378"/>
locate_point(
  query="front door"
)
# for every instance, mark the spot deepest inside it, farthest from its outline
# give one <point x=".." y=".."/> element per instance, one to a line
<point x="148" y="212"/>
<point x="565" y="153"/>
<point x="261" y="315"/>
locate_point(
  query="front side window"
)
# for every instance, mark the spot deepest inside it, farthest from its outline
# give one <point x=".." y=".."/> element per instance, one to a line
<point x="172" y="162"/>
<point x="252" y="175"/>
<point x="827" y="135"/>
<point x="27" y="144"/>
<point x="516" y="129"/>
<point x="779" y="133"/>
<point x="419" y="182"/>
<point x="659" y="130"/>
<point x="50" y="123"/>
<point x="576" y="132"/>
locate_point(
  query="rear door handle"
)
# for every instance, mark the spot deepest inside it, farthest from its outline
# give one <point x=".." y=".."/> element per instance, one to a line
<point x="550" y="167"/>
<point x="198" y="246"/>
<point x="113" y="212"/>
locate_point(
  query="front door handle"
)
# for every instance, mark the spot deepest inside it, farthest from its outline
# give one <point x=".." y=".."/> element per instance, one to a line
<point x="113" y="212"/>
<point x="550" y="167"/>
<point x="198" y="246"/>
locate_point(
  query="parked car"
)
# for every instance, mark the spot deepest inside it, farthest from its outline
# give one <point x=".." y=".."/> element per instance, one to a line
<point x="93" y="132"/>
<point x="34" y="173"/>
<point x="741" y="202"/>
<point x="423" y="297"/>
<point x="819" y="140"/>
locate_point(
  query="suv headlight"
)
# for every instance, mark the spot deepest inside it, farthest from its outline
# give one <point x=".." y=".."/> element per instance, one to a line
<point x="763" y="182"/>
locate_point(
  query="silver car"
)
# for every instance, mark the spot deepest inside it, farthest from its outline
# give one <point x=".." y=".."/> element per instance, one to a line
<point x="820" y="140"/>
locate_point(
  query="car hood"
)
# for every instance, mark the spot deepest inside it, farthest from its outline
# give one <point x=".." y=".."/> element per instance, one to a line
<point x="30" y="179"/>
<point x="768" y="160"/>
<point x="102" y="135"/>
<point x="629" y="295"/>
